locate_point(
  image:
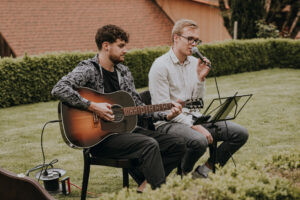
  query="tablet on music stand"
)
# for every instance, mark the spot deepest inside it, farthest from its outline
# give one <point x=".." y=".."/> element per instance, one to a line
<point x="225" y="108"/>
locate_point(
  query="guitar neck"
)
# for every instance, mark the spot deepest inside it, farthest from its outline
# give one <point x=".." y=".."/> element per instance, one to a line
<point x="146" y="109"/>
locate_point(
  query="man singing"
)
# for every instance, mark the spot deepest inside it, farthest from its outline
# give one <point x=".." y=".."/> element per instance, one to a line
<point x="179" y="75"/>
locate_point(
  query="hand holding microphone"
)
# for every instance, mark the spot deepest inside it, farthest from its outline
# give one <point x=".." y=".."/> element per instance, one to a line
<point x="203" y="65"/>
<point x="202" y="58"/>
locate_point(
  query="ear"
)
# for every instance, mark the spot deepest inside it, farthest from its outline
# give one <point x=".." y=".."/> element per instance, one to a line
<point x="176" y="37"/>
<point x="105" y="46"/>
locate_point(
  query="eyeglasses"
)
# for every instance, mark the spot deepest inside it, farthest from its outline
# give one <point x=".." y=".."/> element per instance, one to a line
<point x="191" y="40"/>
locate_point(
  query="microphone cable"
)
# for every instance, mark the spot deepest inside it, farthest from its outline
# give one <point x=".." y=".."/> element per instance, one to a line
<point x="52" y="162"/>
<point x="43" y="154"/>
<point x="227" y="132"/>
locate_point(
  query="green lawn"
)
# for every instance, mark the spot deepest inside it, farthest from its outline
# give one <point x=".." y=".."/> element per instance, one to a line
<point x="272" y="117"/>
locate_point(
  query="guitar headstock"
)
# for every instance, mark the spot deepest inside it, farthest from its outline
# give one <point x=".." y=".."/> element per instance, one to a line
<point x="194" y="104"/>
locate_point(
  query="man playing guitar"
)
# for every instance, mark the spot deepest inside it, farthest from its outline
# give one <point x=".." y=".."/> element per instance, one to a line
<point x="157" y="154"/>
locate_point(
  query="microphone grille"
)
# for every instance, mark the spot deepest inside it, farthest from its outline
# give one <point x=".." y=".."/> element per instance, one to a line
<point x="195" y="50"/>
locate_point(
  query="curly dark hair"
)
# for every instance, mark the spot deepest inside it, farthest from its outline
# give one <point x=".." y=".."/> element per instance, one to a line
<point x="110" y="33"/>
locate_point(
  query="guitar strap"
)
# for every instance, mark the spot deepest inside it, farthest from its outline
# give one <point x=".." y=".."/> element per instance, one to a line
<point x="97" y="66"/>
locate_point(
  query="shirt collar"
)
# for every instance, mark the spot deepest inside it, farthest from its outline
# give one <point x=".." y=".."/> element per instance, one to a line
<point x="175" y="59"/>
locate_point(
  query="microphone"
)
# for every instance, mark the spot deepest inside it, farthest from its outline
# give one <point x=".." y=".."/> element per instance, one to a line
<point x="196" y="51"/>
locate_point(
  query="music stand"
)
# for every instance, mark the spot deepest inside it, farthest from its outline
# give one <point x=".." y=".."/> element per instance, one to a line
<point x="226" y="110"/>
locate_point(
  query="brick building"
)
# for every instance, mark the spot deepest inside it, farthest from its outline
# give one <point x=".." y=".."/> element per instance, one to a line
<point x="39" y="26"/>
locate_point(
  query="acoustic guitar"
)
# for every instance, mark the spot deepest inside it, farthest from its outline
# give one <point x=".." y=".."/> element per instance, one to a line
<point x="84" y="129"/>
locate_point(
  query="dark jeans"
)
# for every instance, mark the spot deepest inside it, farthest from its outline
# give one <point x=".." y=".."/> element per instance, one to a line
<point x="196" y="143"/>
<point x="156" y="154"/>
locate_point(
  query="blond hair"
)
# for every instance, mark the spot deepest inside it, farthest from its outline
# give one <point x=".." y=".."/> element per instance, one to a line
<point x="181" y="24"/>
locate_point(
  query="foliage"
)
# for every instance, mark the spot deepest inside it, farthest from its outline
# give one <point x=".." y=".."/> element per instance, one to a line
<point x="286" y="160"/>
<point x="246" y="13"/>
<point x="140" y="60"/>
<point x="252" y="55"/>
<point x="249" y="181"/>
<point x="266" y="30"/>
<point x="282" y="14"/>
<point x="246" y="17"/>
<point x="31" y="79"/>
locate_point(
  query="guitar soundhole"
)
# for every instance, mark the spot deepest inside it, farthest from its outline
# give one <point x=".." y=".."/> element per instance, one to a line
<point x="118" y="112"/>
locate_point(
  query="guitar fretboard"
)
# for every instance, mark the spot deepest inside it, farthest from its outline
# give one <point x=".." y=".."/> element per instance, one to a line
<point x="146" y="109"/>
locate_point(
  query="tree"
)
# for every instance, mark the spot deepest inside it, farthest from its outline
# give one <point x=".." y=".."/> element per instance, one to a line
<point x="246" y="13"/>
<point x="284" y="14"/>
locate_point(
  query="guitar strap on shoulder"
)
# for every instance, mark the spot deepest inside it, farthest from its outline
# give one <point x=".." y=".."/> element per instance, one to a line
<point x="98" y="67"/>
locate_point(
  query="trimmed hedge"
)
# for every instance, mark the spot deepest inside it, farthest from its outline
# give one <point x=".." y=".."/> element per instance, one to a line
<point x="30" y="79"/>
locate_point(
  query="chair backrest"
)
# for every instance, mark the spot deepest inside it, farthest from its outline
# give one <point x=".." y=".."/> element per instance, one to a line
<point x="146" y="97"/>
<point x="14" y="187"/>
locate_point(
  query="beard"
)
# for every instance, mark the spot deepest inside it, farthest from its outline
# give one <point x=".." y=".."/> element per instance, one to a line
<point x="115" y="59"/>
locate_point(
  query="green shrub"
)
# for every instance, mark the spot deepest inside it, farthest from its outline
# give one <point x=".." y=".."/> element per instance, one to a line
<point x="288" y="160"/>
<point x="140" y="60"/>
<point x="247" y="181"/>
<point x="266" y="30"/>
<point x="30" y="79"/>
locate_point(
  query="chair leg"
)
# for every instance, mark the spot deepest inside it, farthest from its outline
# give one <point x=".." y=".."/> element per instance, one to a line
<point x="86" y="173"/>
<point x="125" y="177"/>
<point x="213" y="154"/>
<point x="179" y="170"/>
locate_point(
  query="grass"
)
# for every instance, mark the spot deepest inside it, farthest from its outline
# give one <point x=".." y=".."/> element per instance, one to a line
<point x="272" y="118"/>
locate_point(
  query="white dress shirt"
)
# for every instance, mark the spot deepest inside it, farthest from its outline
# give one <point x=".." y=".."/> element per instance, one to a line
<point x="169" y="80"/>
